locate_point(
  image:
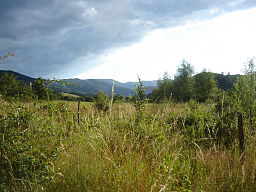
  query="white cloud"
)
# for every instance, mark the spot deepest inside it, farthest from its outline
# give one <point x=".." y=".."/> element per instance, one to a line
<point x="214" y="11"/>
<point x="236" y="2"/>
<point x="222" y="44"/>
<point x="141" y="22"/>
<point x="90" y="12"/>
<point x="64" y="31"/>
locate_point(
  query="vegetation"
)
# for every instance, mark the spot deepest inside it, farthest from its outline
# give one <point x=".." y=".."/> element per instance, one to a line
<point x="172" y="149"/>
<point x="186" y="141"/>
<point x="205" y="86"/>
<point x="13" y="89"/>
<point x="201" y="87"/>
<point x="101" y="102"/>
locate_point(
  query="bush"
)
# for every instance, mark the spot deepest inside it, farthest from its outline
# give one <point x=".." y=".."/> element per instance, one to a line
<point x="101" y="102"/>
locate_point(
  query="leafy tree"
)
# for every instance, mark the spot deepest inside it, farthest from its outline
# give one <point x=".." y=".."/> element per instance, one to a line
<point x="185" y="70"/>
<point x="86" y="98"/>
<point x="139" y="98"/>
<point x="118" y="97"/>
<point x="179" y="89"/>
<point x="245" y="91"/>
<point x="54" y="95"/>
<point x="101" y="102"/>
<point x="226" y="82"/>
<point x="9" y="85"/>
<point x="183" y="84"/>
<point x="139" y="101"/>
<point x="205" y="86"/>
<point x="40" y="89"/>
<point x="165" y="86"/>
<point x="163" y="91"/>
<point x="129" y="98"/>
<point x="25" y="92"/>
<point x="13" y="88"/>
<point x="156" y="95"/>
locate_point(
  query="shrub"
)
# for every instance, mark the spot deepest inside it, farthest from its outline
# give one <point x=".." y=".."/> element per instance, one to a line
<point x="101" y="102"/>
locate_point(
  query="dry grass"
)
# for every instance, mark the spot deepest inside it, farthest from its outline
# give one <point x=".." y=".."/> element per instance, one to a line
<point x="110" y="152"/>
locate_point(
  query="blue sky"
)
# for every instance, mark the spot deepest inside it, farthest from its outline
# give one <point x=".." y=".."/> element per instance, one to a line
<point x="122" y="38"/>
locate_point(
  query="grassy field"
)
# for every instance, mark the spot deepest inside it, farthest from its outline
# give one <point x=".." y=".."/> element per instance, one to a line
<point x="167" y="147"/>
<point x="69" y="95"/>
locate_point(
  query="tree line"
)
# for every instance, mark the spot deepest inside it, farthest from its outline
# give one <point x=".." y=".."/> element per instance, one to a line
<point x="13" y="89"/>
<point x="186" y="86"/>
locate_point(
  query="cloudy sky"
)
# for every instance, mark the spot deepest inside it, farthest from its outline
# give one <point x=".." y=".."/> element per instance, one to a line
<point x="122" y="38"/>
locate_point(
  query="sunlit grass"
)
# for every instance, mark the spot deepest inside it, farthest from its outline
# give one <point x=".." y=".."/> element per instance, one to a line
<point x="110" y="152"/>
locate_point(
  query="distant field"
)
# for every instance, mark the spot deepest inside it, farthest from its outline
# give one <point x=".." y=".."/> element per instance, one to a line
<point x="69" y="95"/>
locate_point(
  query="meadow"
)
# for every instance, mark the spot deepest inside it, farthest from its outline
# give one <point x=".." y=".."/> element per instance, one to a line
<point x="151" y="147"/>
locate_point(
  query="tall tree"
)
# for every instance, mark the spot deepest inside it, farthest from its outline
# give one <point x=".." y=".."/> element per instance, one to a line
<point x="8" y="85"/>
<point x="183" y="84"/>
<point x="245" y="91"/>
<point x="40" y="89"/>
<point x="205" y="86"/>
<point x="163" y="91"/>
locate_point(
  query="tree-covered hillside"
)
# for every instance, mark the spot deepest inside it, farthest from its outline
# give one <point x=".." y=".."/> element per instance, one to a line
<point x="88" y="86"/>
<point x="185" y="85"/>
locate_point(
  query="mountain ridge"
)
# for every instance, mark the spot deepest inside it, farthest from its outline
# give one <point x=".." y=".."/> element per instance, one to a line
<point x="88" y="86"/>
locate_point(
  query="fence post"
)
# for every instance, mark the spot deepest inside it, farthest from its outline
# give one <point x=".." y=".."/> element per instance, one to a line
<point x="78" y="112"/>
<point x="240" y="132"/>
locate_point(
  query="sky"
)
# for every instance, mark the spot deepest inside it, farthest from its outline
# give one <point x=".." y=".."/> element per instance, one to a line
<point x="121" y="39"/>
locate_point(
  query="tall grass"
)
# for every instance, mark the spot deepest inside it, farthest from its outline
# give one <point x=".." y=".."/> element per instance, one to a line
<point x="170" y="150"/>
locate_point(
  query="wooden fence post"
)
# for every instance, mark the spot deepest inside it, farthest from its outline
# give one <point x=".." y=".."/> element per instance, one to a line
<point x="240" y="132"/>
<point x="78" y="112"/>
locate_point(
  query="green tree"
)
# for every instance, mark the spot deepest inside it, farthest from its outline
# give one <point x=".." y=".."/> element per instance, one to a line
<point x="139" y="101"/>
<point x="139" y="98"/>
<point x="165" y="87"/>
<point x="118" y="98"/>
<point x="40" y="89"/>
<point x="129" y="98"/>
<point x="25" y="92"/>
<point x="226" y="82"/>
<point x="163" y="91"/>
<point x="205" y="86"/>
<point x="54" y="95"/>
<point x="9" y="85"/>
<point x="245" y="91"/>
<point x="101" y="102"/>
<point x="183" y="84"/>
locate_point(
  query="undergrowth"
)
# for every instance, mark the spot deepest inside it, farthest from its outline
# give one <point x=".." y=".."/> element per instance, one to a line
<point x="173" y="147"/>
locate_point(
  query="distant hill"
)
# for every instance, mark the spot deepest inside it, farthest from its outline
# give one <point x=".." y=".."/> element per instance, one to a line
<point x="24" y="78"/>
<point x="89" y="86"/>
<point x="93" y="86"/>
